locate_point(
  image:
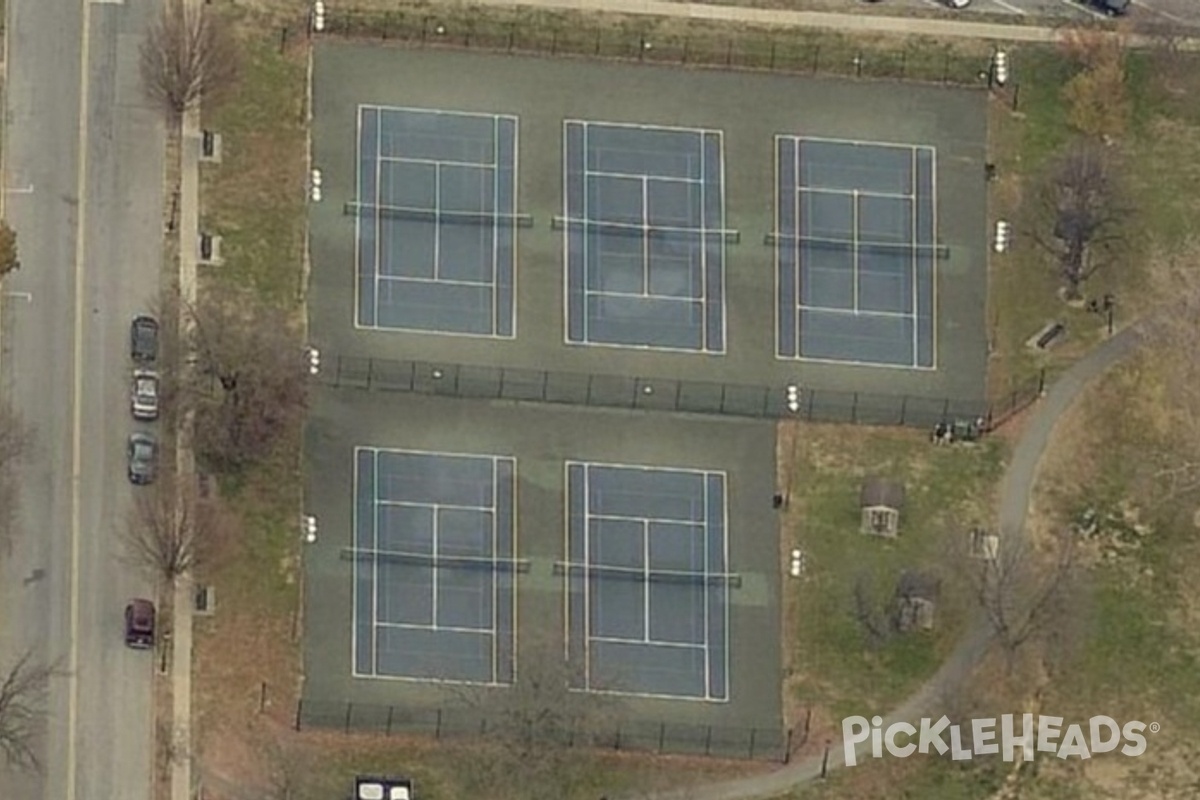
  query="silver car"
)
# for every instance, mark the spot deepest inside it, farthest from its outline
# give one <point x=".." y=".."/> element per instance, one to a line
<point x="144" y="397"/>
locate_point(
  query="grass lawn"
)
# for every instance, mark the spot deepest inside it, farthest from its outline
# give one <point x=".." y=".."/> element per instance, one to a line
<point x="949" y="490"/>
<point x="1161" y="165"/>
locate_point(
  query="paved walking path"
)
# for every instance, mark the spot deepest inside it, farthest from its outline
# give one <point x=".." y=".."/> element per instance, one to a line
<point x="181" y="660"/>
<point x="1014" y="503"/>
<point x="847" y="23"/>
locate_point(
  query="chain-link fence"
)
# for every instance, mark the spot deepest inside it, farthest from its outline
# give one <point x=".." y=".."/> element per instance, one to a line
<point x="760" y="744"/>
<point x="661" y="40"/>
<point x="662" y="394"/>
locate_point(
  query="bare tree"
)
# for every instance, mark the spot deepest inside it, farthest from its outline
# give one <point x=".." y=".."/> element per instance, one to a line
<point x="1024" y="594"/>
<point x="189" y="56"/>
<point x="1082" y="202"/>
<point x="9" y="260"/>
<point x="539" y="729"/>
<point x="169" y="532"/>
<point x="23" y="695"/>
<point x="14" y="440"/>
<point x="249" y="383"/>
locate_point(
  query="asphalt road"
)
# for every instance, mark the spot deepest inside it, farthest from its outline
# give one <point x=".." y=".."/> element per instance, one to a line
<point x="89" y="233"/>
<point x="1164" y="12"/>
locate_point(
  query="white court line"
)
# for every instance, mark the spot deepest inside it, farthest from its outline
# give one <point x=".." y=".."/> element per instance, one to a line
<point x="435" y="506"/>
<point x="413" y="626"/>
<point x="440" y="162"/>
<point x="643" y="296"/>
<point x="632" y="176"/>
<point x="857" y="313"/>
<point x="857" y="192"/>
<point x="657" y="520"/>
<point x="436" y="281"/>
<point x="648" y="643"/>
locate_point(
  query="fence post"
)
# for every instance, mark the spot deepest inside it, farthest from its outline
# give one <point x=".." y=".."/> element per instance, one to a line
<point x="807" y="726"/>
<point x="708" y="741"/>
<point x="854" y="409"/>
<point x="349" y="714"/>
<point x="262" y="698"/>
<point x="299" y="712"/>
<point x="811" y="399"/>
<point x="753" y="734"/>
<point x="412" y="375"/>
<point x="787" y="747"/>
<point x="903" y="409"/>
<point x="389" y="722"/>
<point x="1042" y="381"/>
<point x="437" y="731"/>
<point x="662" y="735"/>
<point x="545" y="384"/>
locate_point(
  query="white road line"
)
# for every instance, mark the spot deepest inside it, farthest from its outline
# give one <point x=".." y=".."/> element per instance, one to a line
<point x="20" y="189"/>
<point x="26" y="296"/>
<point x="1086" y="9"/>
<point x="77" y="402"/>
<point x="1009" y="7"/>
<point x="1159" y="12"/>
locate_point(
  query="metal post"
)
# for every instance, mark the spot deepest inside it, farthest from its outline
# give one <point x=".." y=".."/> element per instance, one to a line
<point x="545" y="384"/>
<point x="787" y="747"/>
<point x="349" y="714"/>
<point x="1042" y="381"/>
<point x="1016" y="96"/>
<point x="825" y="761"/>
<point x="723" y="387"/>
<point x="708" y="741"/>
<point x="391" y="709"/>
<point x="299" y="712"/>
<point x="283" y="37"/>
<point x="438" y="730"/>
<point x="854" y="409"/>
<point x="811" y="399"/>
<point x="262" y="697"/>
<point x="370" y="370"/>
<point x="903" y="410"/>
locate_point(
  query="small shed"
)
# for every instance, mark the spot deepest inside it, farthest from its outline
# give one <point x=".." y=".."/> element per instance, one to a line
<point x="881" y="501"/>
<point x="916" y="599"/>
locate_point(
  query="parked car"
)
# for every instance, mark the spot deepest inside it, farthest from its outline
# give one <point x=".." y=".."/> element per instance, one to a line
<point x="143" y="458"/>
<point x="143" y="339"/>
<point x="139" y="624"/>
<point x="1113" y="8"/>
<point x="144" y="397"/>
<point x="958" y="3"/>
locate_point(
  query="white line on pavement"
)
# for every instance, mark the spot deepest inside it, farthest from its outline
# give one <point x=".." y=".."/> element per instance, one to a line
<point x="1009" y="7"/>
<point x="20" y="189"/>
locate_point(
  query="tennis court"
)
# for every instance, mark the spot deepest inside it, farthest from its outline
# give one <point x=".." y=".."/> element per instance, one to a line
<point x="647" y="580"/>
<point x="856" y="249"/>
<point x="433" y="566"/>
<point x="436" y="218"/>
<point x="644" y="213"/>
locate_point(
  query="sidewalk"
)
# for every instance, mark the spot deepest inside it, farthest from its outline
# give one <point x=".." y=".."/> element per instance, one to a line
<point x="181" y="657"/>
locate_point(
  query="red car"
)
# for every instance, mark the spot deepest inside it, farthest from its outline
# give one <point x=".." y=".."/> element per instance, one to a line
<point x="139" y="624"/>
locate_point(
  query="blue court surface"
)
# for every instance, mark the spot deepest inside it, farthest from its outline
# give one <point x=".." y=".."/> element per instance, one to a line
<point x="856" y="249"/>
<point x="644" y="218"/>
<point x="436" y="219"/>
<point x="434" y="566"/>
<point x="647" y="581"/>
